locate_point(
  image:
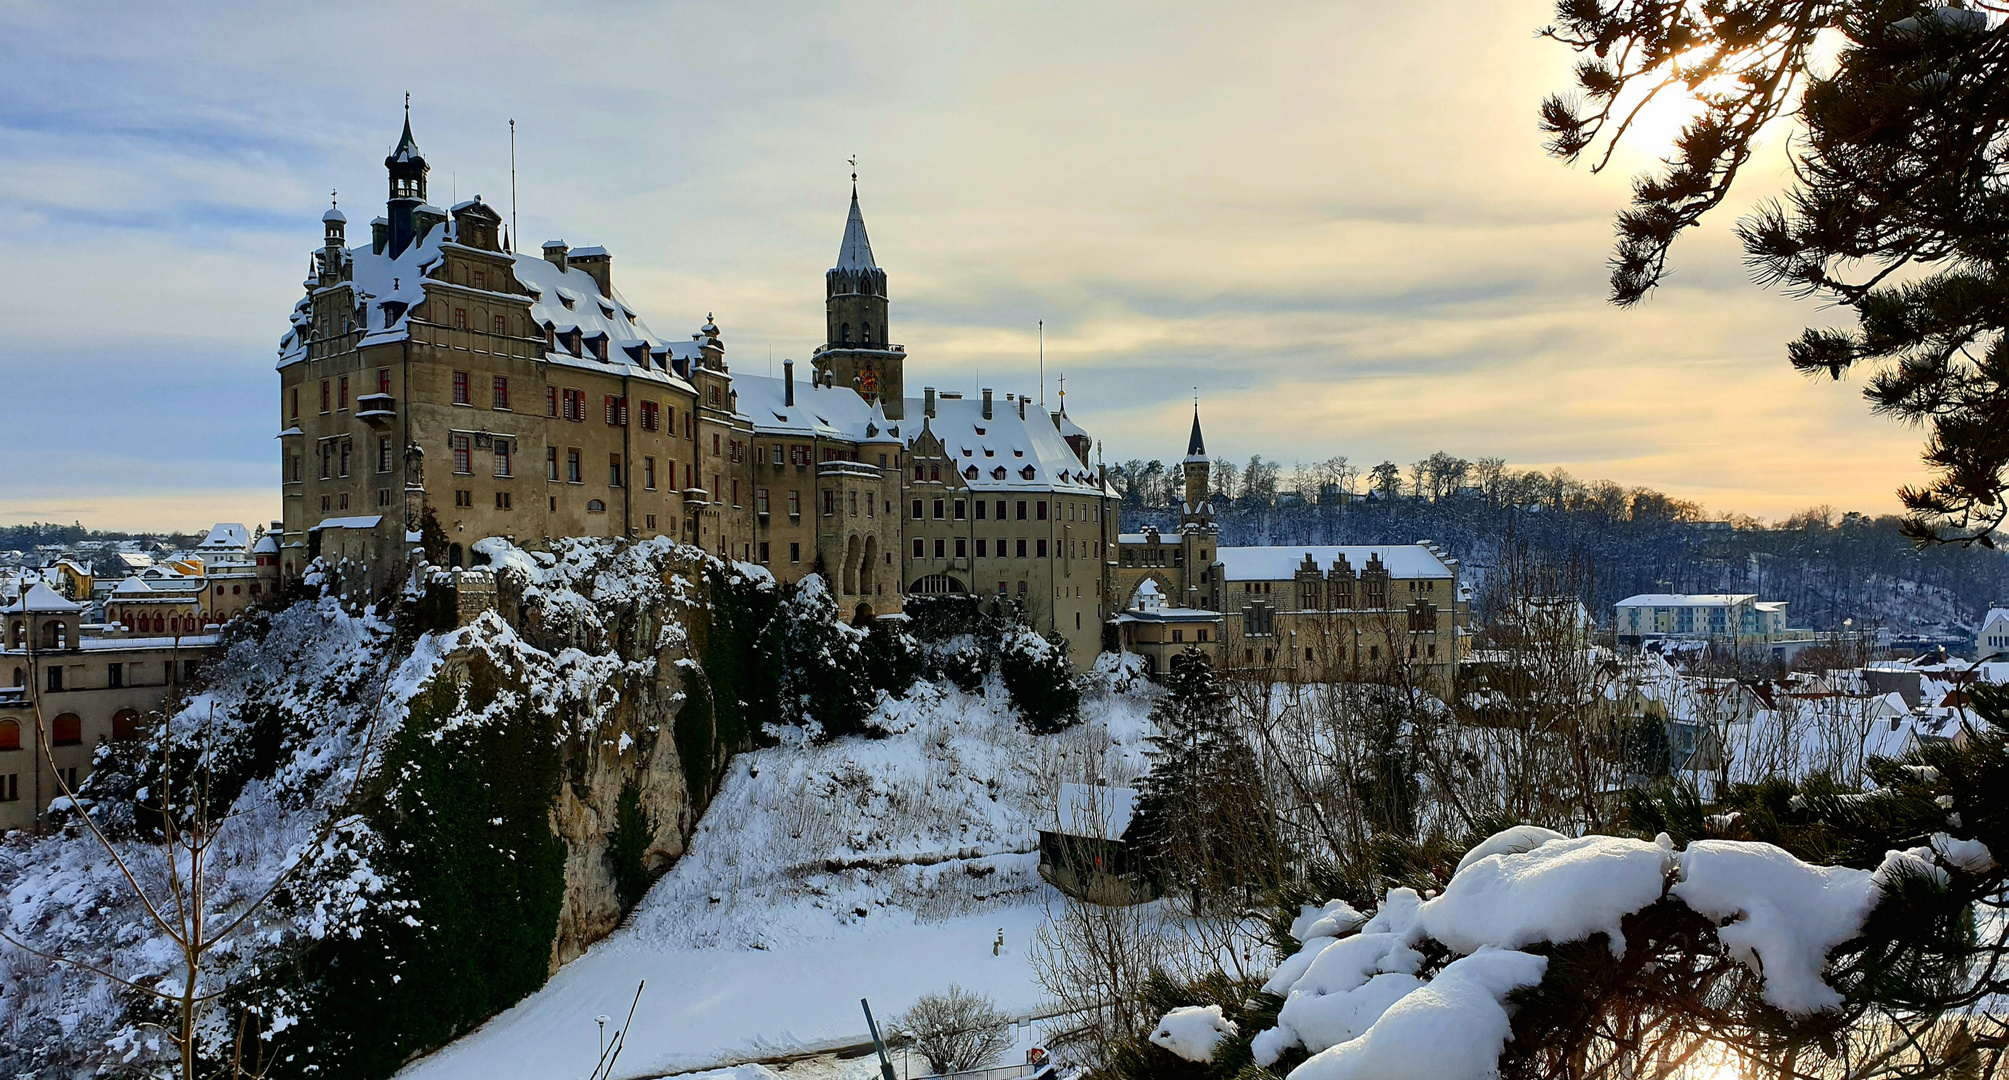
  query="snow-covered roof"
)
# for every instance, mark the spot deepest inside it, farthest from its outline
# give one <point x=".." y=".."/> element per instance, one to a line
<point x="856" y="251"/>
<point x="1686" y="599"/>
<point x="1282" y="563"/>
<point x="1000" y="451"/>
<point x="1196" y="447"/>
<point x="1996" y="615"/>
<point x="267" y="545"/>
<point x="1093" y="810"/>
<point x="226" y="536"/>
<point x="41" y="598"/>
<point x="132" y="586"/>
<point x="369" y="522"/>
<point x="832" y="412"/>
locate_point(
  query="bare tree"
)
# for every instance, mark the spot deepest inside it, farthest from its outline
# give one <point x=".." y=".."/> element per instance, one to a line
<point x="957" y="1030"/>
<point x="1093" y="957"/>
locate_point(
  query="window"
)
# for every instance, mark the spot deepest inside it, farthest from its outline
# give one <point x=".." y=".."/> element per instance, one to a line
<point x="502" y="457"/>
<point x="934" y="472"/>
<point x="794" y="504"/>
<point x="650" y="520"/>
<point x="1042" y="509"/>
<point x="463" y="498"/>
<point x="460" y="393"/>
<point x="617" y="411"/>
<point x="383" y="499"/>
<point x="1042" y="544"/>
<point x="959" y="509"/>
<point x="649" y="476"/>
<point x="917" y="509"/>
<point x="595" y="506"/>
<point x="938" y="509"/>
<point x="1021" y="547"/>
<point x="829" y="503"/>
<point x="551" y="463"/>
<point x="383" y="380"/>
<point x="501" y="392"/>
<point x="760" y="501"/>
<point x="463" y="455"/>
<point x="763" y="552"/>
<point x="920" y="552"/>
<point x="324" y="395"/>
<point x="795" y="552"/>
<point x="296" y="403"/>
<point x="501" y="328"/>
<point x="342" y="397"/>
<point x="115" y="675"/>
<point x="651" y="416"/>
<point x="961" y="547"/>
<point x="572" y="466"/>
<point x="613" y="470"/>
<point x="575" y="406"/>
<point x="854" y="504"/>
<point x="460" y="318"/>
<point x="714" y="444"/>
<point x="67" y="730"/>
<point x="1178" y="636"/>
<point x="551" y="401"/>
<point x="939" y="548"/>
<point x="920" y="472"/>
<point x="481" y="279"/>
<point x="383" y="453"/>
<point x="502" y="500"/>
<point x="346" y="446"/>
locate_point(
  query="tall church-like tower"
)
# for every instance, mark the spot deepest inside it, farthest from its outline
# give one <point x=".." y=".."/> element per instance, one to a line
<point x="1198" y="510"/>
<point x="858" y="350"/>
<point x="407" y="168"/>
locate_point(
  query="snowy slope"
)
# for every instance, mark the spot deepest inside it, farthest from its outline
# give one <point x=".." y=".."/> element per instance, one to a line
<point x="882" y="869"/>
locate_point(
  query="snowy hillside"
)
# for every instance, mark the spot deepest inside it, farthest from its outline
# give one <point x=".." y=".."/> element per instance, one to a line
<point x="882" y="869"/>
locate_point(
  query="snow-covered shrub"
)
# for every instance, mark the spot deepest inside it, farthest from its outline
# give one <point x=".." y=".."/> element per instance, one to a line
<point x="893" y="659"/>
<point x="1039" y="677"/>
<point x="824" y="684"/>
<point x="957" y="1030"/>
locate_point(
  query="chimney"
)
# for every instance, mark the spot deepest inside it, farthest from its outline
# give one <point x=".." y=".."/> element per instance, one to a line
<point x="555" y="253"/>
<point x="1021" y="406"/>
<point x="788" y="381"/>
<point x="928" y="402"/>
<point x="987" y="403"/>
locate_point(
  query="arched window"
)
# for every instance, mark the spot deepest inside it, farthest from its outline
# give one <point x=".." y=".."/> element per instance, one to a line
<point x="66" y="730"/>
<point x="453" y="555"/>
<point x="844" y="335"/>
<point x="125" y="725"/>
<point x="866" y="333"/>
<point x="236" y="590"/>
<point x="10" y="735"/>
<point x="595" y="506"/>
<point x="16" y="636"/>
<point x="20" y="677"/>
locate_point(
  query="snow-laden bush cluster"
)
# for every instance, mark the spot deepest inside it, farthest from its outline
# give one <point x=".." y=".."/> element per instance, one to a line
<point x="1426" y="987"/>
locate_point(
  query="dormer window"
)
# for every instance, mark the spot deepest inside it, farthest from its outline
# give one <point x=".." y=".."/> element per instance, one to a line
<point x="606" y="311"/>
<point x="1018" y="453"/>
<point x="998" y="473"/>
<point x="1026" y="472"/>
<point x="566" y="300"/>
<point x="988" y="452"/>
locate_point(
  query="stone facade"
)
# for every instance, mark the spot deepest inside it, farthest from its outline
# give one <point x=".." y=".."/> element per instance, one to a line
<point x="77" y="691"/>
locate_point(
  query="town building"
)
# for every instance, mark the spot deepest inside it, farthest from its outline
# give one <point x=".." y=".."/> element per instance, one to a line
<point x="1347" y="612"/>
<point x="78" y="691"/>
<point x="1992" y="640"/>
<point x="1731" y="618"/>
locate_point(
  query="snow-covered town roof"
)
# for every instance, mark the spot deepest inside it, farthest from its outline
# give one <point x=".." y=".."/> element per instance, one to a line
<point x="1196" y="447"/>
<point x="831" y="412"/>
<point x="1283" y="563"/>
<point x="40" y="598"/>
<point x="369" y="522"/>
<point x="132" y="586"/>
<point x="2000" y="614"/>
<point x="1003" y="453"/>
<point x="267" y="545"/>
<point x="856" y="252"/>
<point x="1095" y="811"/>
<point x="226" y="536"/>
<point x="1686" y="599"/>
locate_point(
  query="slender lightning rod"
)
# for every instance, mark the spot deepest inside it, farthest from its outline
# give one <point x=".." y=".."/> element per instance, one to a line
<point x="514" y="228"/>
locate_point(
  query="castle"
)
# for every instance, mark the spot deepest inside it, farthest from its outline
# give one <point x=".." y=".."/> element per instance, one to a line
<point x="436" y="373"/>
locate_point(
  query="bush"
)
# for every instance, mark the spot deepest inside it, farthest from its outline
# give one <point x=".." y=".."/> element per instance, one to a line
<point x="892" y="657"/>
<point x="956" y="1031"/>
<point x="821" y="661"/>
<point x="1036" y="673"/>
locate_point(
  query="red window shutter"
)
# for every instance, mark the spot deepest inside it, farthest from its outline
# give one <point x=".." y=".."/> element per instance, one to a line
<point x="623" y="402"/>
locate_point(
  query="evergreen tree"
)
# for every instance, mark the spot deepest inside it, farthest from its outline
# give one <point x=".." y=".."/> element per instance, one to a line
<point x="1203" y="825"/>
<point x="1896" y="210"/>
<point x="1040" y="679"/>
<point x="823" y="674"/>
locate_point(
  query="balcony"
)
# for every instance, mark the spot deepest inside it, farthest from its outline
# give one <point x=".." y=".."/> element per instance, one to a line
<point x="376" y="410"/>
<point x="855" y="469"/>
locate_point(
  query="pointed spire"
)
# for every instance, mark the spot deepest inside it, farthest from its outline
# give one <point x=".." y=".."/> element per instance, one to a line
<point x="1196" y="447"/>
<point x="408" y="148"/>
<point x="856" y="251"/>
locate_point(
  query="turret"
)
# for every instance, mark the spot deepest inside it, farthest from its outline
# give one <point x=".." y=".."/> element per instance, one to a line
<point x="407" y="169"/>
<point x="857" y="348"/>
<point x="334" y="244"/>
<point x="1197" y="470"/>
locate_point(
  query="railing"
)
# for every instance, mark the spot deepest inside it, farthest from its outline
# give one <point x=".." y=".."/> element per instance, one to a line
<point x="858" y="469"/>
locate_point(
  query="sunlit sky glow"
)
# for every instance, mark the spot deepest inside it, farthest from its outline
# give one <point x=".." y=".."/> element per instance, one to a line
<point x="1336" y="221"/>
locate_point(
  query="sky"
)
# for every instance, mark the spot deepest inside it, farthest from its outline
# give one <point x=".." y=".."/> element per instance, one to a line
<point x="1334" y="222"/>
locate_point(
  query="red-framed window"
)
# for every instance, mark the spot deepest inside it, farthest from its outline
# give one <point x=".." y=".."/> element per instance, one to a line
<point x="460" y="394"/>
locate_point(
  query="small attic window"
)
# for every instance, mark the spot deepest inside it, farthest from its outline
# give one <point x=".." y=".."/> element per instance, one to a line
<point x="1026" y="472"/>
<point x="966" y="451"/>
<point x="566" y="300"/>
<point x="1018" y="453"/>
<point x="980" y="431"/>
<point x="998" y="473"/>
<point x="988" y="452"/>
<point x="970" y="473"/>
<point x="606" y="311"/>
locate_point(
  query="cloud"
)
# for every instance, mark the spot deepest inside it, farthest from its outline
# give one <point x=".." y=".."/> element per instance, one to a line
<point x="1336" y="221"/>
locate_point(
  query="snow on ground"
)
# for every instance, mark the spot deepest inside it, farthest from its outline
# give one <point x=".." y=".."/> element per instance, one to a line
<point x="883" y="869"/>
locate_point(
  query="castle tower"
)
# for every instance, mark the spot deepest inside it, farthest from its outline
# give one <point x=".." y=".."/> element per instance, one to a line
<point x="407" y="168"/>
<point x="1198" y="511"/>
<point x="858" y="350"/>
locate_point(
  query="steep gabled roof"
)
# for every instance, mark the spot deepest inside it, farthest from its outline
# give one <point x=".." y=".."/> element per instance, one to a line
<point x="1196" y="447"/>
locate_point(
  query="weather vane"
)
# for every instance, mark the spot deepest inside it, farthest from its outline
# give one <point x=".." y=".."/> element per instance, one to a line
<point x="854" y="168"/>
